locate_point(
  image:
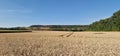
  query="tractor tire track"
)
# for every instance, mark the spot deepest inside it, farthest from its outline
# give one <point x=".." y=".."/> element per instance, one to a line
<point x="67" y="34"/>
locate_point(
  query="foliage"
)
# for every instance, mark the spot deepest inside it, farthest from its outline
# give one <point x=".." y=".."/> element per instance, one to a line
<point x="14" y="31"/>
<point x="15" y="28"/>
<point x="110" y="24"/>
<point x="60" y="27"/>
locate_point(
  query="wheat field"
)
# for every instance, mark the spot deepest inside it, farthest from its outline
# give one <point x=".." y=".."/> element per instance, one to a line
<point x="60" y="43"/>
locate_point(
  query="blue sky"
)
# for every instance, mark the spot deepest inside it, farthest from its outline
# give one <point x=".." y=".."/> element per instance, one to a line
<point x="57" y="12"/>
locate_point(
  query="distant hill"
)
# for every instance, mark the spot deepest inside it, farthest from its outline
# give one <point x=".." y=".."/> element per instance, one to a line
<point x="109" y="24"/>
<point x="60" y="27"/>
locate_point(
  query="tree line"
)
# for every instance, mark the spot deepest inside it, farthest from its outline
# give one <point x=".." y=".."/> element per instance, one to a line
<point x="109" y="24"/>
<point x="15" y="28"/>
<point x="60" y="27"/>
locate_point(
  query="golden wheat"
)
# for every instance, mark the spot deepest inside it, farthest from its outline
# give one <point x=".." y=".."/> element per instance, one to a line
<point x="55" y="43"/>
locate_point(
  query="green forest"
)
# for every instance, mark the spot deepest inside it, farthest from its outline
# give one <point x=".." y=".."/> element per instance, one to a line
<point x="109" y="24"/>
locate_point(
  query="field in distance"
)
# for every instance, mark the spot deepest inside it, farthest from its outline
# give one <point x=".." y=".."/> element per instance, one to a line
<point x="60" y="43"/>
